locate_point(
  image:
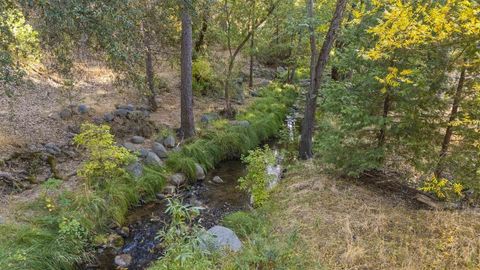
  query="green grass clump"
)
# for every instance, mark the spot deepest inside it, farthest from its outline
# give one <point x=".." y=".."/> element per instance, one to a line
<point x="226" y="141"/>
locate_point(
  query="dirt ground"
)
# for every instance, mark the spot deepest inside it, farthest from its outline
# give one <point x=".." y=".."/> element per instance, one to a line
<point x="345" y="225"/>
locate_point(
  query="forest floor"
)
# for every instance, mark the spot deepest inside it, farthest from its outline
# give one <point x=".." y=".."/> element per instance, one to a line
<point x="350" y="225"/>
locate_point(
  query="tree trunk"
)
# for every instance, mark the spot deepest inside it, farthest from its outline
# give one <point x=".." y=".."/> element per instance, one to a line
<point x="149" y="74"/>
<point x="252" y="44"/>
<point x="386" y="110"/>
<point x="453" y="115"/>
<point x="203" y="30"/>
<point x="187" y="128"/>
<point x="305" y="151"/>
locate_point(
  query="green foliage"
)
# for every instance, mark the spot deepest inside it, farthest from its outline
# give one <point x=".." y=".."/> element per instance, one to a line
<point x="106" y="160"/>
<point x="443" y="189"/>
<point x="181" y="241"/>
<point x="205" y="81"/>
<point x="262" y="249"/>
<point x="227" y="141"/>
<point x="257" y="179"/>
<point x="19" y="44"/>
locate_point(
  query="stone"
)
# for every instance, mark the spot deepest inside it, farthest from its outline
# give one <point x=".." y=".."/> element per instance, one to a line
<point x="52" y="149"/>
<point x="6" y="176"/>
<point x="123" y="260"/>
<point x="124" y="231"/>
<point x="178" y="179"/>
<point x="199" y="172"/>
<point x="136" y="115"/>
<point x="2" y="220"/>
<point x="65" y="114"/>
<point x="153" y="159"/>
<point x="120" y="112"/>
<point x="137" y="139"/>
<point x="217" y="180"/>
<point x="209" y="117"/>
<point x="128" y="107"/>
<point x="83" y="109"/>
<point x="108" y="117"/>
<point x="135" y="169"/>
<point x="97" y="120"/>
<point x="275" y="171"/>
<point x="161" y="196"/>
<point x="115" y="241"/>
<point x="169" y="141"/>
<point x="160" y="150"/>
<point x="242" y="123"/>
<point x="169" y="189"/>
<point x="130" y="146"/>
<point x="143" y="153"/>
<point x="220" y="238"/>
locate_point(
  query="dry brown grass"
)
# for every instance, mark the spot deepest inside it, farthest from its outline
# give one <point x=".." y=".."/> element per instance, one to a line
<point x="347" y="226"/>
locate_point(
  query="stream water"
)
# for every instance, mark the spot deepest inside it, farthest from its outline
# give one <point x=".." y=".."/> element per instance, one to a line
<point x="145" y="221"/>
<point x="218" y="200"/>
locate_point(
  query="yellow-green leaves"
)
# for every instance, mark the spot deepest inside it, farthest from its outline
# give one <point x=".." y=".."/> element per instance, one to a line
<point x="405" y="24"/>
<point x="106" y="160"/>
<point x="394" y="78"/>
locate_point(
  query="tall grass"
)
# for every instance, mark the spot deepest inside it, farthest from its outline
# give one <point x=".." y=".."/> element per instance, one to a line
<point x="228" y="141"/>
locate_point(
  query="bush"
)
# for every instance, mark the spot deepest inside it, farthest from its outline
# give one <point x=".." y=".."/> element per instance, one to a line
<point x="257" y="179"/>
<point x="205" y="81"/>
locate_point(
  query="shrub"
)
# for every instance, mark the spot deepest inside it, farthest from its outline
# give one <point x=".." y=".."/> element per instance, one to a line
<point x="257" y="179"/>
<point x="106" y="160"/>
<point x="442" y="188"/>
<point x="205" y="81"/>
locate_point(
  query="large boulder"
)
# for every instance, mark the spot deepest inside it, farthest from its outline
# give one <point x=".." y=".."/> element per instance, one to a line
<point x="242" y="123"/>
<point x="209" y="117"/>
<point x="135" y="169"/>
<point x="153" y="159"/>
<point x="137" y="139"/>
<point x="108" y="117"/>
<point x="130" y="146"/>
<point x="220" y="238"/>
<point x="123" y="260"/>
<point x="199" y="172"/>
<point x="52" y="149"/>
<point x="83" y="109"/>
<point x="178" y="179"/>
<point x="169" y="141"/>
<point x="120" y="112"/>
<point x="160" y="150"/>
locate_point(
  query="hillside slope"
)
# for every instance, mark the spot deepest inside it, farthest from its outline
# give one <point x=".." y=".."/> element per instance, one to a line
<point x="343" y="225"/>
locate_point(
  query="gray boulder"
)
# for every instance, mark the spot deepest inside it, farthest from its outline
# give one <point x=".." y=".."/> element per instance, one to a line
<point x="217" y="180"/>
<point x="220" y="238"/>
<point x="130" y="146"/>
<point x="120" y="112"/>
<point x="178" y="179"/>
<point x="199" y="172"/>
<point x="143" y="153"/>
<point x="136" y="115"/>
<point x="65" y="114"/>
<point x="160" y="150"/>
<point x="108" y="117"/>
<point x="128" y="107"/>
<point x="209" y="117"/>
<point x="169" y="141"/>
<point x="83" y="109"/>
<point x="153" y="159"/>
<point x="137" y="139"/>
<point x="242" y="123"/>
<point x="123" y="260"/>
<point x="52" y="149"/>
<point x="135" y="169"/>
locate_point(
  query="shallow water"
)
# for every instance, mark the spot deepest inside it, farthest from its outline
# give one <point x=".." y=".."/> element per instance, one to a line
<point x="145" y="221"/>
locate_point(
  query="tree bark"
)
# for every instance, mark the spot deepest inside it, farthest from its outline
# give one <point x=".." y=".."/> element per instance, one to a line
<point x="252" y="44"/>
<point x="203" y="30"/>
<point x="234" y="54"/>
<point x="305" y="150"/>
<point x="149" y="73"/>
<point x="386" y="110"/>
<point x="187" y="128"/>
<point x="453" y="115"/>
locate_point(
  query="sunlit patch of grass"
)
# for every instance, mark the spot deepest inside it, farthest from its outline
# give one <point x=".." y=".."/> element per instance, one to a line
<point x="343" y="226"/>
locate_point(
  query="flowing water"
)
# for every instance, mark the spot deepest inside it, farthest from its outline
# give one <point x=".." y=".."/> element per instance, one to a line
<point x="218" y="200"/>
